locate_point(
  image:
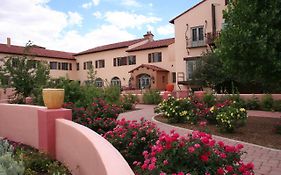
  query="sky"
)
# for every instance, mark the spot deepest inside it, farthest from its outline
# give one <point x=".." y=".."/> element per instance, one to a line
<point x="78" y="25"/>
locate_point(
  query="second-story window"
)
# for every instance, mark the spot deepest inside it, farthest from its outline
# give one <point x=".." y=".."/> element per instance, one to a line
<point x="100" y="64"/>
<point x="155" y="57"/>
<point x="197" y="36"/>
<point x="131" y="59"/>
<point x="64" y="66"/>
<point x="53" y="65"/>
<point x="70" y="66"/>
<point x="88" y="65"/>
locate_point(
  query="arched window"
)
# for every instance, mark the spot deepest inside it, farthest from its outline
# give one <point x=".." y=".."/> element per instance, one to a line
<point x="99" y="82"/>
<point x="115" y="81"/>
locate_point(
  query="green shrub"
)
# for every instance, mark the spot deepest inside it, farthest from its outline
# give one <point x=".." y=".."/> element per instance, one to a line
<point x="267" y="102"/>
<point x="237" y="100"/>
<point x="152" y="97"/>
<point x="277" y="105"/>
<point x="88" y="93"/>
<point x="253" y="104"/>
<point x="128" y="100"/>
<point x="37" y="162"/>
<point x="112" y="94"/>
<point x="209" y="99"/>
<point x="8" y="165"/>
<point x="230" y="118"/>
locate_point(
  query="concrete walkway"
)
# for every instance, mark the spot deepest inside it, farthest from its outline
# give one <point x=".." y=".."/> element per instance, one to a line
<point x="267" y="161"/>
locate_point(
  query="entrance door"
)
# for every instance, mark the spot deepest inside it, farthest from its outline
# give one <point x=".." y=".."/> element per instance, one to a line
<point x="144" y="81"/>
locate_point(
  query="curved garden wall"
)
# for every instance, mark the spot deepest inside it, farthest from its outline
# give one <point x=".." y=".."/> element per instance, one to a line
<point x="81" y="149"/>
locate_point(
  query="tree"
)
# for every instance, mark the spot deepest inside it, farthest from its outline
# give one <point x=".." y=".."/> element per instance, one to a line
<point x="91" y="75"/>
<point x="250" y="44"/>
<point x="23" y="73"/>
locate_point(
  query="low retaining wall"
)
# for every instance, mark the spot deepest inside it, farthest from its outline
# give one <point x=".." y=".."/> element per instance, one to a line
<point x="250" y="96"/>
<point x="81" y="149"/>
<point x="86" y="152"/>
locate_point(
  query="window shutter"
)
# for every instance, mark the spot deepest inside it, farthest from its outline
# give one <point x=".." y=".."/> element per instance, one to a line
<point x="149" y="58"/>
<point x="114" y="62"/>
<point x="84" y="65"/>
<point x="96" y="64"/>
<point x="70" y="66"/>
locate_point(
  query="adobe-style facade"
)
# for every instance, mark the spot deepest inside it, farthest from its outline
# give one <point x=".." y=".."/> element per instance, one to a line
<point x="145" y="62"/>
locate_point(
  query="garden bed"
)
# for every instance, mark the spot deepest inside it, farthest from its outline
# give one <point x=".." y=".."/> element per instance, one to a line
<point x="30" y="161"/>
<point x="258" y="130"/>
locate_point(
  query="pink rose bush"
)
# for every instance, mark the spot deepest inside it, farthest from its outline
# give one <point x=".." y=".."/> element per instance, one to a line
<point x="99" y="116"/>
<point x="195" y="154"/>
<point x="132" y="138"/>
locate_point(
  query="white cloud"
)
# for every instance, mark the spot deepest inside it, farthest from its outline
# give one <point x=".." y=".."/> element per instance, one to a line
<point x="97" y="14"/>
<point x="150" y="5"/>
<point x="129" y="20"/>
<point x="96" y="2"/>
<point x="131" y="3"/>
<point x="166" y="30"/>
<point x="47" y="27"/>
<point x="74" y="18"/>
<point x="87" y="5"/>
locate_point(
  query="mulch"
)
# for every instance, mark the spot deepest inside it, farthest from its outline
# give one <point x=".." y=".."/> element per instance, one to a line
<point x="258" y="130"/>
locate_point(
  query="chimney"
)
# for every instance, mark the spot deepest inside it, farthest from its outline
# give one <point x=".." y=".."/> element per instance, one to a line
<point x="148" y="36"/>
<point x="8" y="41"/>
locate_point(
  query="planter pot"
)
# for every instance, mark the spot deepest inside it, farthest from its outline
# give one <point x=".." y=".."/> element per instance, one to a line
<point x="53" y="98"/>
<point x="170" y="87"/>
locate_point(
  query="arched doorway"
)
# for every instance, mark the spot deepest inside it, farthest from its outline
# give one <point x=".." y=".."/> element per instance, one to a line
<point x="99" y="82"/>
<point x="144" y="81"/>
<point x="115" y="81"/>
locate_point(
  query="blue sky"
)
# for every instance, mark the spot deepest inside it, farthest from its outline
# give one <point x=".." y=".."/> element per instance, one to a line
<point x="76" y="25"/>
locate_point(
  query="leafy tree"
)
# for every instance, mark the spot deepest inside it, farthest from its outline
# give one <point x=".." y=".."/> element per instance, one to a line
<point x="91" y="75"/>
<point x="23" y="73"/>
<point x="250" y="43"/>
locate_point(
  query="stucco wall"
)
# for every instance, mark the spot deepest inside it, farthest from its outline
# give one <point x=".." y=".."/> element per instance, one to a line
<point x="71" y="74"/>
<point x="110" y="71"/>
<point x="20" y="123"/>
<point x="195" y="17"/>
<point x="87" y="153"/>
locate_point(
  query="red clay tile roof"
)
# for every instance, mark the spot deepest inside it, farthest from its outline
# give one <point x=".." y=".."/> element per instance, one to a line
<point x="111" y="46"/>
<point x="154" y="44"/>
<point x="173" y="20"/>
<point x="149" y="66"/>
<point x="35" y="51"/>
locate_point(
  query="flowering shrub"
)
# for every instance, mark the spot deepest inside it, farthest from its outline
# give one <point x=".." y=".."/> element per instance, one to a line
<point x="212" y="112"/>
<point x="99" y="116"/>
<point x="131" y="138"/>
<point x="230" y="117"/>
<point x="197" y="153"/>
<point x="177" y="110"/>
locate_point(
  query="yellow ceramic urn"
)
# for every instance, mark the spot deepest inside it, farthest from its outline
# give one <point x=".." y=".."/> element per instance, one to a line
<point x="53" y="98"/>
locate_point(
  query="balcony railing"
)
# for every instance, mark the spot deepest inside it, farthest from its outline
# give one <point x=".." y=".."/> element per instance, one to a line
<point x="211" y="37"/>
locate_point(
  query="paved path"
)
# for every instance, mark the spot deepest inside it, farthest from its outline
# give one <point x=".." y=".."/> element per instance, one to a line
<point x="267" y="161"/>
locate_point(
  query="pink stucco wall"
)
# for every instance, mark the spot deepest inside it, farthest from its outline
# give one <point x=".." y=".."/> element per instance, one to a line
<point x="81" y="149"/>
<point x="86" y="152"/>
<point x="250" y="96"/>
<point x="20" y="123"/>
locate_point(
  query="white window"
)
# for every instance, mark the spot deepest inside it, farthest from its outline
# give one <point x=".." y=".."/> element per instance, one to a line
<point x="197" y="36"/>
<point x="191" y="67"/>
